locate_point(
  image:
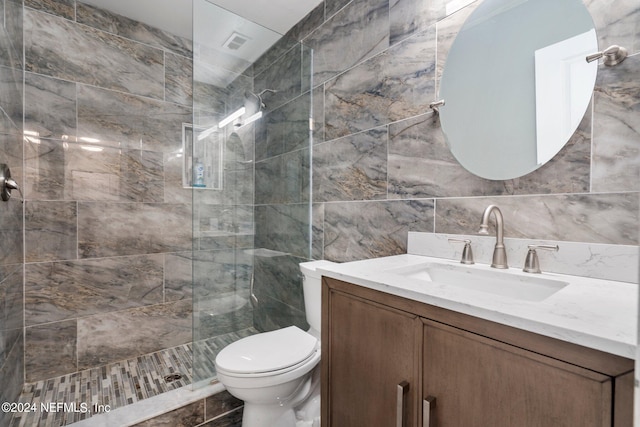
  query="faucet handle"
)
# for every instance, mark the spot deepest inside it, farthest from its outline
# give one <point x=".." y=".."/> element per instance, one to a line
<point x="467" y="254"/>
<point x="531" y="262"/>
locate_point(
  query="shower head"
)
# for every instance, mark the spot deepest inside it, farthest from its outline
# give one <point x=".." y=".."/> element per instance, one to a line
<point x="261" y="105"/>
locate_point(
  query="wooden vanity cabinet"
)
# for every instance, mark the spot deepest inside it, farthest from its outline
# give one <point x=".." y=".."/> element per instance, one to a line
<point x="383" y="356"/>
<point x="374" y="358"/>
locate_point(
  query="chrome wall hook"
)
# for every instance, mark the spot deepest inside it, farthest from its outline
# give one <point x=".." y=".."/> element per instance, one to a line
<point x="613" y="55"/>
<point x="435" y="105"/>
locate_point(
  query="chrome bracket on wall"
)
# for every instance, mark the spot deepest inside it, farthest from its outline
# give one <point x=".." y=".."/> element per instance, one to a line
<point x="613" y="55"/>
<point x="7" y="183"/>
<point x="435" y="105"/>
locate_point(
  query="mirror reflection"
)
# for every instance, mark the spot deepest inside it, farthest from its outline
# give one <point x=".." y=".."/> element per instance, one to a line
<point x="516" y="84"/>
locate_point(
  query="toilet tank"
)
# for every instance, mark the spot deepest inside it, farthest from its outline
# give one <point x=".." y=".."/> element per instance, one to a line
<point x="312" y="288"/>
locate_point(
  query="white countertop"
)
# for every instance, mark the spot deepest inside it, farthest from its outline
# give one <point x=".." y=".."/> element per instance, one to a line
<point x="599" y="314"/>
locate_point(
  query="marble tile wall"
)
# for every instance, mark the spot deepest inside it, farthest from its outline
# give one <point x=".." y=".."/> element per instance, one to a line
<point x="11" y="253"/>
<point x="381" y="167"/>
<point x="106" y="216"/>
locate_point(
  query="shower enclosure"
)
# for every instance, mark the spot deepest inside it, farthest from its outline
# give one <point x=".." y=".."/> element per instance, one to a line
<point x="155" y="227"/>
<point x="248" y="157"/>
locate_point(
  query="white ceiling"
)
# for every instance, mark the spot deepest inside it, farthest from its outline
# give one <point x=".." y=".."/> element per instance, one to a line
<point x="175" y="16"/>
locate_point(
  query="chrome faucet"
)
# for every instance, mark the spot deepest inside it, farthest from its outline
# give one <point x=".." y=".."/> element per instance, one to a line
<point x="499" y="253"/>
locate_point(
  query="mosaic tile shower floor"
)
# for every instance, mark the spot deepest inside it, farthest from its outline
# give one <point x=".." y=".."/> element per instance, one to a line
<point x="118" y="384"/>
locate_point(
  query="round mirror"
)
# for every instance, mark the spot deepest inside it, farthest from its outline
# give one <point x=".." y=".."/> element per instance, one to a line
<point x="516" y="84"/>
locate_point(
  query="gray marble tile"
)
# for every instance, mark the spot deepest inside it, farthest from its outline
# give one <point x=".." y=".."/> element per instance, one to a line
<point x="595" y="218"/>
<point x="421" y="165"/>
<point x="407" y="17"/>
<point x="208" y="97"/>
<point x="109" y="337"/>
<point x="232" y="419"/>
<point x="223" y="220"/>
<point x="125" y="27"/>
<point x="217" y="226"/>
<point x="129" y="121"/>
<point x="11" y="96"/>
<point x="143" y="176"/>
<point x="11" y="232"/>
<point x="178" y="276"/>
<point x="74" y="171"/>
<point x="616" y="128"/>
<point x="50" y="107"/>
<point x="12" y="377"/>
<point x="306" y="25"/>
<point x="189" y="415"/>
<point x="267" y="144"/>
<point x="113" y="62"/>
<point x="616" y="23"/>
<point x="11" y="38"/>
<point x="279" y="278"/>
<point x="174" y="192"/>
<point x="318" y="115"/>
<point x="178" y="73"/>
<point x="284" y="129"/>
<point x="331" y="7"/>
<point x="271" y="314"/>
<point x="221" y="278"/>
<point x="283" y="179"/>
<point x="362" y="230"/>
<point x="359" y="31"/>
<point x="317" y="231"/>
<point x="221" y="403"/>
<point x="221" y="319"/>
<point x="50" y="231"/>
<point x="239" y="186"/>
<point x="394" y="85"/>
<point x="283" y="228"/>
<point x="272" y="56"/>
<point x="11" y="317"/>
<point x="13" y="22"/>
<point x="112" y="229"/>
<point x="351" y="168"/>
<point x="44" y="169"/>
<point x="50" y="350"/>
<point x="64" y="8"/>
<point x="285" y="76"/>
<point x="65" y="290"/>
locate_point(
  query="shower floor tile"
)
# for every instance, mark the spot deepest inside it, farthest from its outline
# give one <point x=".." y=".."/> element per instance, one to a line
<point x="70" y="398"/>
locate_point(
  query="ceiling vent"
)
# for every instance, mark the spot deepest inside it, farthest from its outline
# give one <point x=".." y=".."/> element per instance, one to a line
<point x="235" y="41"/>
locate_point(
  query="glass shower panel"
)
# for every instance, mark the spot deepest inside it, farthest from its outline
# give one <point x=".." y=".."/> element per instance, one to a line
<point x="246" y="159"/>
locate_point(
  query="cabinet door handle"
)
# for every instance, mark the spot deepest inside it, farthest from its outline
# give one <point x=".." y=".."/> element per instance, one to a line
<point x="402" y="389"/>
<point x="428" y="405"/>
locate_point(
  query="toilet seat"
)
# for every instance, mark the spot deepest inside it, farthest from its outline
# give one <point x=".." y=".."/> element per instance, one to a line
<point x="268" y="353"/>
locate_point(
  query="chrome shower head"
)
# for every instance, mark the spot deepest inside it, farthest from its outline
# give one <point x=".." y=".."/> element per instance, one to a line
<point x="261" y="105"/>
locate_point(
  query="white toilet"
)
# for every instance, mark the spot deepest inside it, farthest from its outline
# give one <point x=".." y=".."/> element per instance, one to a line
<point x="277" y="373"/>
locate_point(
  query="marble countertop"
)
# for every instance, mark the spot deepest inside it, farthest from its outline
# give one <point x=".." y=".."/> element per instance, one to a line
<point x="599" y="314"/>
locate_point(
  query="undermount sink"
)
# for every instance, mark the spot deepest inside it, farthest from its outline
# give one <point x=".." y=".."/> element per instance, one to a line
<point x="505" y="283"/>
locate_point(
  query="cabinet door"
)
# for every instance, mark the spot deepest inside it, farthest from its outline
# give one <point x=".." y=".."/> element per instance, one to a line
<point x="370" y="364"/>
<point x="479" y="382"/>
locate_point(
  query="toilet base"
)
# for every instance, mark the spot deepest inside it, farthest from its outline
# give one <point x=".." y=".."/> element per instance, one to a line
<point x="268" y="415"/>
<point x="302" y="408"/>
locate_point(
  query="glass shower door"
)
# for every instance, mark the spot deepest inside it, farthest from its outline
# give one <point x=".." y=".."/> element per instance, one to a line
<point x="246" y="158"/>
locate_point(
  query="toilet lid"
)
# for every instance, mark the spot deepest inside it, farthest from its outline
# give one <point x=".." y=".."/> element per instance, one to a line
<point x="268" y="351"/>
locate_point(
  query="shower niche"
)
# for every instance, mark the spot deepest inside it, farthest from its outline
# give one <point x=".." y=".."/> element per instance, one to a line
<point x="202" y="153"/>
